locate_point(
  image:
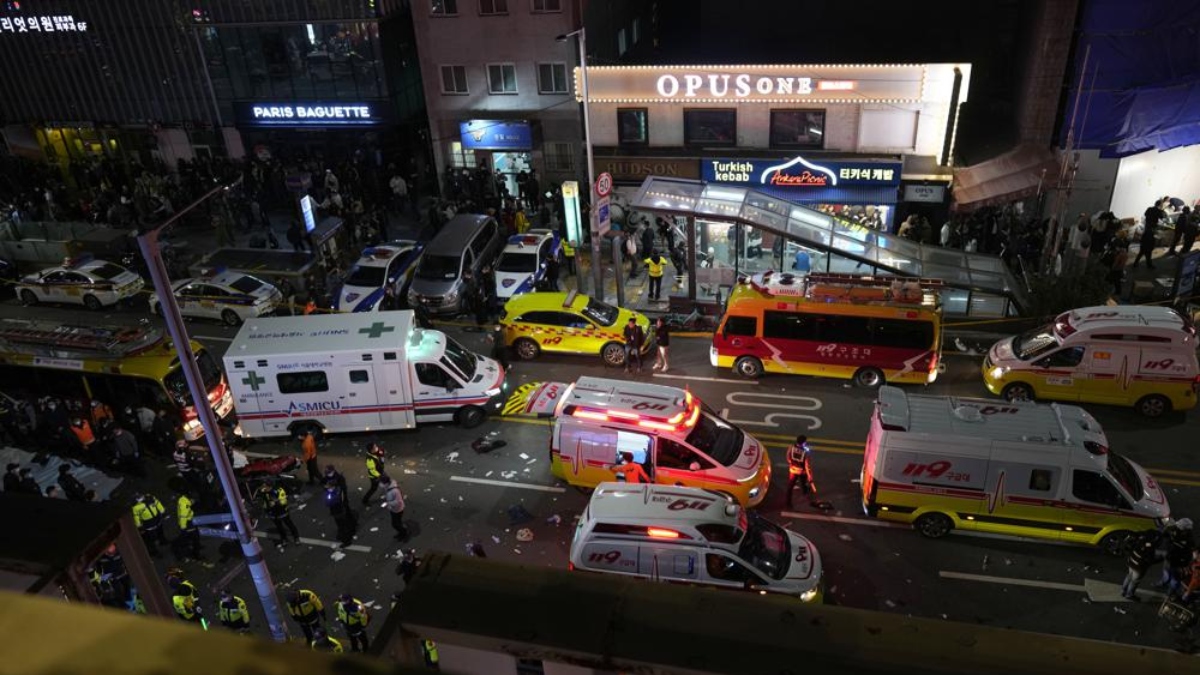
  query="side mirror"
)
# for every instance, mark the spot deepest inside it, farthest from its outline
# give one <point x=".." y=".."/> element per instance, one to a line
<point x="694" y="466"/>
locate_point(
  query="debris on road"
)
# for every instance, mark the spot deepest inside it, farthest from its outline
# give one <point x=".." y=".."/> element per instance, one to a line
<point x="985" y="563"/>
<point x="524" y="534"/>
<point x="452" y="457"/>
<point x="337" y="555"/>
<point x="845" y="537"/>
<point x="508" y="475"/>
<point x="476" y="550"/>
<point x="518" y="515"/>
<point x="409" y="472"/>
<point x="554" y="519"/>
<point x="890" y="604"/>
<point x="523" y="456"/>
<point x="374" y="529"/>
<point x="495" y="539"/>
<point x="484" y="445"/>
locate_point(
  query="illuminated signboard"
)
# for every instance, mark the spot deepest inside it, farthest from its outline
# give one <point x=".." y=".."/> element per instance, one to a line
<point x="270" y="114"/>
<point x="800" y="172"/>
<point x="495" y="135"/>
<point x="42" y="24"/>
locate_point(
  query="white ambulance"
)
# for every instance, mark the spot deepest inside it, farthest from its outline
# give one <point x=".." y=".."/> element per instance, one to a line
<point x="1022" y="469"/>
<point x="689" y="535"/>
<point x="355" y="372"/>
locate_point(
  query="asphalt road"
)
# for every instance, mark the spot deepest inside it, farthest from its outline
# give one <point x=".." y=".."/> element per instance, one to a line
<point x="456" y="497"/>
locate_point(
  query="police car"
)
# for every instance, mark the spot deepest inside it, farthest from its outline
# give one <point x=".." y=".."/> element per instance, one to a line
<point x="80" y="281"/>
<point x="390" y="264"/>
<point x="524" y="262"/>
<point x="231" y="297"/>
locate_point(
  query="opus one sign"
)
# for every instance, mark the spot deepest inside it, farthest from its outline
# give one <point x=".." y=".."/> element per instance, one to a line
<point x="308" y="114"/>
<point x="718" y="86"/>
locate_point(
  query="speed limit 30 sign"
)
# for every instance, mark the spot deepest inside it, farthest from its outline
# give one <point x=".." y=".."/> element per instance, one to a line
<point x="604" y="184"/>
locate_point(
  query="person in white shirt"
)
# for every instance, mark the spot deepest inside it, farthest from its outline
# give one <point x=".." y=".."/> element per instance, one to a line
<point x="399" y="192"/>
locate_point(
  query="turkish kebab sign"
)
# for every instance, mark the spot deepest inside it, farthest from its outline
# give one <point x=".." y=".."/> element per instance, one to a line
<point x="762" y="84"/>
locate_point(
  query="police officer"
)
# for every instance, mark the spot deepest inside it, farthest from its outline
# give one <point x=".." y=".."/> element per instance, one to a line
<point x="187" y="467"/>
<point x="655" y="263"/>
<point x="275" y="503"/>
<point x="799" y="467"/>
<point x="321" y="642"/>
<point x="233" y="612"/>
<point x="148" y="515"/>
<point x="184" y="597"/>
<point x="189" y="533"/>
<point x="375" y="470"/>
<point x="354" y="619"/>
<point x="429" y="649"/>
<point x="307" y="609"/>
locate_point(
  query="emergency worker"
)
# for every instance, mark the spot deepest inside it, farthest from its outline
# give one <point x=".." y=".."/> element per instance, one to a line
<point x="375" y="470"/>
<point x="354" y="619"/>
<point x="307" y="609"/>
<point x="233" y="612"/>
<point x="189" y="533"/>
<point x="148" y="516"/>
<point x="799" y="459"/>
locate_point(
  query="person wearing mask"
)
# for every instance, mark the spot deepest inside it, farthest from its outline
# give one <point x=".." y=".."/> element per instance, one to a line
<point x="655" y="263"/>
<point x="394" y="502"/>
<point x="125" y="448"/>
<point x="799" y="458"/>
<point x="1153" y="215"/>
<point x="84" y="436"/>
<point x="71" y="487"/>
<point x="233" y="612"/>
<point x="354" y="619"/>
<point x="635" y="338"/>
<point x="375" y="470"/>
<point x="275" y="503"/>
<point x="307" y="609"/>
<point x="188" y="467"/>
<point x="339" y="508"/>
<point x="148" y="516"/>
<point x="309" y="445"/>
<point x="662" y="339"/>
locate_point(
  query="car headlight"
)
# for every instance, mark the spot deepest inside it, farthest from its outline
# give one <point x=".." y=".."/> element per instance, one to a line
<point x="452" y="296"/>
<point x="809" y="595"/>
<point x="997" y="372"/>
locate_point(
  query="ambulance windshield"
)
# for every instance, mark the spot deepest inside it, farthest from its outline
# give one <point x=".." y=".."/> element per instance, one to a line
<point x="460" y="360"/>
<point x="766" y="546"/>
<point x="1032" y="344"/>
<point x="1126" y="476"/>
<point x="719" y="439"/>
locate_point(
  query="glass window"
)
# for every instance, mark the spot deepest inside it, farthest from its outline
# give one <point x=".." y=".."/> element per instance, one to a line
<point x="1063" y="358"/>
<point x="632" y="126"/>
<point x="622" y="44"/>
<point x="454" y="80"/>
<point x="901" y="333"/>
<point x="1034" y="343"/>
<point x="675" y="455"/>
<point x="719" y="439"/>
<point x="789" y="326"/>
<point x="491" y="7"/>
<point x="1041" y="480"/>
<point x="847" y="329"/>
<point x="722" y="534"/>
<point x="741" y="325"/>
<point x="302" y="383"/>
<point x="443" y="7"/>
<point x="797" y="128"/>
<point x="725" y="568"/>
<point x="1090" y="486"/>
<point x="552" y="78"/>
<point x="432" y="374"/>
<point x="246" y="284"/>
<point x="547" y="6"/>
<point x="502" y="78"/>
<point x="560" y="156"/>
<point x="359" y="377"/>
<point x="637" y="29"/>
<point x="710" y="127"/>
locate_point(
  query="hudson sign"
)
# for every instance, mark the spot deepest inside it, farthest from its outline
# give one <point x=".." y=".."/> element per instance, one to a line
<point x="765" y="84"/>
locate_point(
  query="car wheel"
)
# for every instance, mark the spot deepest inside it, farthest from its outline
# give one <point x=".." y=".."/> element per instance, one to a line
<point x="1153" y="406"/>
<point x="1113" y="543"/>
<point x="613" y="354"/>
<point x="28" y="297"/>
<point x="748" y="367"/>
<point x="470" y="416"/>
<point x="526" y="349"/>
<point x="934" y="525"/>
<point x="1017" y="391"/>
<point x="868" y="378"/>
<point x="231" y="318"/>
<point x="92" y="303"/>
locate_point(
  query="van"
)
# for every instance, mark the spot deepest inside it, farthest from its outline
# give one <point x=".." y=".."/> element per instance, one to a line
<point x="1137" y="356"/>
<point x="355" y="372"/>
<point x="1021" y="469"/>
<point x="674" y="437"/>
<point x="692" y="536"/>
<point x="468" y="243"/>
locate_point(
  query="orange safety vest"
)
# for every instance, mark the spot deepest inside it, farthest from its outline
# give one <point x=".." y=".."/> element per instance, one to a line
<point x="631" y="472"/>
<point x="310" y="307"/>
<point x="84" y="433"/>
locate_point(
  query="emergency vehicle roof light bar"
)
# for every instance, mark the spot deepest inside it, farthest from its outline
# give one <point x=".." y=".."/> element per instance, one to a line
<point x="114" y="341"/>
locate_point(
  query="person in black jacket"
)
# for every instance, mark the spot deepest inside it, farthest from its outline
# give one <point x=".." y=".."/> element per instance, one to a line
<point x="634" y="339"/>
<point x="662" y="338"/>
<point x="1141" y="557"/>
<point x="12" y="480"/>
<point x="72" y="488"/>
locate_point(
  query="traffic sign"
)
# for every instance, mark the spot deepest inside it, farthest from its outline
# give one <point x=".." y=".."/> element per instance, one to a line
<point x="604" y="185"/>
<point x="603" y="215"/>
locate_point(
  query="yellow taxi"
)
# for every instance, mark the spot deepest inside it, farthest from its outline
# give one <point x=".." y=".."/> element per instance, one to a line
<point x="569" y="323"/>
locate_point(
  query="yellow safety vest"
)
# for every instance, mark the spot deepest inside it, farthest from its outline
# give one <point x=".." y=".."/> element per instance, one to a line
<point x="327" y="645"/>
<point x="145" y="513"/>
<point x="430" y="648"/>
<point x="185" y="606"/>
<point x="656" y="265"/>
<point x="568" y="249"/>
<point x="184" y="512"/>
<point x="352" y="619"/>
<point x="374" y="466"/>
<point x="236" y="614"/>
<point x="307" y="610"/>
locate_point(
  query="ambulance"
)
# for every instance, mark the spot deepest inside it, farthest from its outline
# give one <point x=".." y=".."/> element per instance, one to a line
<point x="1137" y="356"/>
<point x="1022" y="469"/>
<point x="355" y="372"/>
<point x="674" y="437"/>
<point x="692" y="536"/>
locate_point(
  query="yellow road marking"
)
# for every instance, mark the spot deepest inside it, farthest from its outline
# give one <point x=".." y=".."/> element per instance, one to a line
<point x="1178" y="472"/>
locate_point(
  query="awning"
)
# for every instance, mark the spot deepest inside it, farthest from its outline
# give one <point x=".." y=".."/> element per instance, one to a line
<point x="1015" y="175"/>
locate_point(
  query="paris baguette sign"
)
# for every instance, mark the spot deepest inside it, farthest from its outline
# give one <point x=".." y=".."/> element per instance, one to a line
<point x="755" y="84"/>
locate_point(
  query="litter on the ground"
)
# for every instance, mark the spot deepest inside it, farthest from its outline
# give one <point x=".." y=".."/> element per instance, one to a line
<point x="495" y="539"/>
<point x="845" y="537"/>
<point x="523" y="456"/>
<point x="374" y="529"/>
<point x="337" y="555"/>
<point x="554" y="519"/>
<point x="488" y="474"/>
<point x="890" y="604"/>
<point x="409" y="472"/>
<point x="524" y="534"/>
<point x="452" y="457"/>
<point x="517" y="515"/>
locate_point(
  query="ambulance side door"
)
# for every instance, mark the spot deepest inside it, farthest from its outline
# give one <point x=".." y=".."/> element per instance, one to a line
<point x="1061" y="374"/>
<point x="1022" y="500"/>
<point x="1094" y="503"/>
<point x="433" y="392"/>
<point x="677" y="464"/>
<point x="1107" y="366"/>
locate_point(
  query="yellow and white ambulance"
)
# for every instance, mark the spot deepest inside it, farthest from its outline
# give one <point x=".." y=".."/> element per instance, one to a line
<point x="1021" y="469"/>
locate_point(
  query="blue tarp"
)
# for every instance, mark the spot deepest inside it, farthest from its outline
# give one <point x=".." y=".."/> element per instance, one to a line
<point x="1141" y="90"/>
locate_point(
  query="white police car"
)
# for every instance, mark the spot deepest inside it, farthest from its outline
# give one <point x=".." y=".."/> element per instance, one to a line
<point x="389" y="264"/>
<point x="231" y="297"/>
<point x="81" y="281"/>
<point x="523" y="263"/>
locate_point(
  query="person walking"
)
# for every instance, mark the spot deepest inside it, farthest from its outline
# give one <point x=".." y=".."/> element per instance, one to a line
<point x="635" y="338"/>
<point x="71" y="487"/>
<point x="307" y="609"/>
<point x="275" y="503"/>
<point x="1189" y="231"/>
<point x="148" y="516"/>
<point x="184" y="597"/>
<point x="1153" y="215"/>
<point x="233" y="612"/>
<point x="799" y="458"/>
<point x="375" y="470"/>
<point x="334" y="479"/>
<point x="399" y="188"/>
<point x="1141" y="556"/>
<point x="288" y="293"/>
<point x="353" y="616"/>
<point x="662" y="339"/>
<point x="188" y="467"/>
<point x="189" y="532"/>
<point x="1175" y="550"/>
<point x="394" y="502"/>
<point x="655" y="263"/>
<point x="162" y="433"/>
<point x="309" y="445"/>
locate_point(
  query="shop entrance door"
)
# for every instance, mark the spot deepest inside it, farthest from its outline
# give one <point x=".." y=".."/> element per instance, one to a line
<point x="510" y="165"/>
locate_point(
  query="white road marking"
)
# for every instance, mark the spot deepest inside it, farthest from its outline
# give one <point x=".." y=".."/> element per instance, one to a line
<point x="505" y="483"/>
<point x="1011" y="581"/>
<point x="802" y="403"/>
<point x="213" y="338"/>
<point x="704" y="379"/>
<point x="318" y="542"/>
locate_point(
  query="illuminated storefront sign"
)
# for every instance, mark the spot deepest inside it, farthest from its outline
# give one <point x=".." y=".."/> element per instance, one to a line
<point x="495" y="135"/>
<point x="717" y="86"/>
<point x="307" y="114"/>
<point x="800" y="172"/>
<point x="42" y="24"/>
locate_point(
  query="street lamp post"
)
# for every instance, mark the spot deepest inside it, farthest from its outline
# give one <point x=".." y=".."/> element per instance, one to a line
<point x="148" y="243"/>
<point x="593" y="224"/>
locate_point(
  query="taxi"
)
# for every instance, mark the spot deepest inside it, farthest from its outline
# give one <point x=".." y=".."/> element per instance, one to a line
<point x="231" y="297"/>
<point x="524" y="262"/>
<point x="80" y="281"/>
<point x="569" y="323"/>
<point x="380" y="267"/>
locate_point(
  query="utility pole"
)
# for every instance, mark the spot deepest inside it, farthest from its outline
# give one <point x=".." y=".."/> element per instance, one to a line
<point x="148" y="243"/>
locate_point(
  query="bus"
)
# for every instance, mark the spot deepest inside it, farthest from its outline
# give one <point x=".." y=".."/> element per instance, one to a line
<point x="119" y="365"/>
<point x="872" y="330"/>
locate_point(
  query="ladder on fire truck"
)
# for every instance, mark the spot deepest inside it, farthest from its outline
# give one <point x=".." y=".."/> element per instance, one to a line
<point x="39" y="337"/>
<point x="853" y="288"/>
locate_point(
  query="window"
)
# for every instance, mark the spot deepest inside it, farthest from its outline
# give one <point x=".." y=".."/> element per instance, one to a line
<point x="502" y="78"/>
<point x="1041" y="480"/>
<point x="460" y="157"/>
<point x="547" y="6"/>
<point x="637" y="29"/>
<point x="559" y="156"/>
<point x="901" y="333"/>
<point x="632" y="127"/>
<point x="432" y="374"/>
<point x="721" y="534"/>
<point x="727" y="569"/>
<point x="540" y="318"/>
<point x="552" y="78"/>
<point x="302" y="383"/>
<point x="1063" y="358"/>
<point x="622" y="45"/>
<point x="710" y="127"/>
<point x="359" y="377"/>
<point x="454" y="79"/>
<point x="443" y="7"/>
<point x="746" y="326"/>
<point x="493" y="7"/>
<point x="797" y="128"/>
<point x="1095" y="488"/>
<point x="789" y="326"/>
<point x="675" y="455"/>
<point x="848" y="329"/>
